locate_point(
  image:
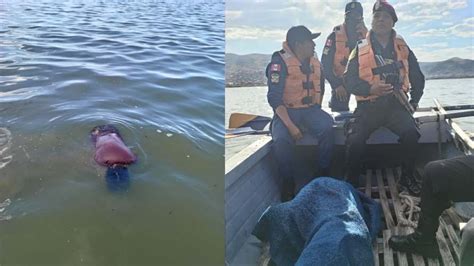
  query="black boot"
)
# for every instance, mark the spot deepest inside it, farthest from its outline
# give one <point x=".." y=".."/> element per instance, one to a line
<point x="422" y="241"/>
<point x="415" y="242"/>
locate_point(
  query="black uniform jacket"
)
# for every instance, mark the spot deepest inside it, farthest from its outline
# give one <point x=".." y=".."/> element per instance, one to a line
<point x="357" y="86"/>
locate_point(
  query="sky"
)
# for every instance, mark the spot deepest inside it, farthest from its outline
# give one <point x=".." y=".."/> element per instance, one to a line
<point x="435" y="30"/>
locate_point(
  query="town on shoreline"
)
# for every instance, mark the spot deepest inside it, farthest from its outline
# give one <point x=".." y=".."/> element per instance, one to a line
<point x="249" y="70"/>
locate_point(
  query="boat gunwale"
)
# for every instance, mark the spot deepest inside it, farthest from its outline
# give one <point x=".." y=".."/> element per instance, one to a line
<point x="458" y="133"/>
<point x="245" y="159"/>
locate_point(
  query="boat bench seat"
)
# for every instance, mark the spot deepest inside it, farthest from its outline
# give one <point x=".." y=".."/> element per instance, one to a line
<point x="380" y="136"/>
<point x="428" y="132"/>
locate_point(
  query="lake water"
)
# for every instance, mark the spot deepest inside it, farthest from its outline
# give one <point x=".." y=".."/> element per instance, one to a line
<point x="253" y="100"/>
<point x="155" y="69"/>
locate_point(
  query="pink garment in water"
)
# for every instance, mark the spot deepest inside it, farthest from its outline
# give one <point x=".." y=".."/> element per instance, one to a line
<point x="110" y="151"/>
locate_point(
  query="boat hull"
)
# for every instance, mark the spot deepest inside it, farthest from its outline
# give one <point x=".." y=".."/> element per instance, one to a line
<point x="252" y="181"/>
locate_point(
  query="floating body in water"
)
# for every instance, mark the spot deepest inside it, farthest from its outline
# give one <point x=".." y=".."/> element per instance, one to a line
<point x="111" y="151"/>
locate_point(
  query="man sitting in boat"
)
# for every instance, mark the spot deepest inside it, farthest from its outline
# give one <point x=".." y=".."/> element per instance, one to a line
<point x="295" y="91"/>
<point x="380" y="65"/>
<point x="445" y="181"/>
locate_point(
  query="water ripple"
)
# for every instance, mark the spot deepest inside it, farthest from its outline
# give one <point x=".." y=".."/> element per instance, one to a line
<point x="155" y="69"/>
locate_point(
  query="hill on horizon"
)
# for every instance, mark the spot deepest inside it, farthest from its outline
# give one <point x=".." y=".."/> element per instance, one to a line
<point x="249" y="70"/>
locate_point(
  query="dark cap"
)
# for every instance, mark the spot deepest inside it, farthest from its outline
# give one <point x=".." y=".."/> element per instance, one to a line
<point x="354" y="6"/>
<point x="382" y="5"/>
<point x="300" y="34"/>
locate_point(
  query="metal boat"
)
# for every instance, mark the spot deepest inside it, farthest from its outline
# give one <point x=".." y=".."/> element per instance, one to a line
<point x="252" y="185"/>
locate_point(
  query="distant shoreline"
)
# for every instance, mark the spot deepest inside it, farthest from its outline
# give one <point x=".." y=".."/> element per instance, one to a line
<point x="465" y="77"/>
<point x="249" y="70"/>
<point x="263" y="85"/>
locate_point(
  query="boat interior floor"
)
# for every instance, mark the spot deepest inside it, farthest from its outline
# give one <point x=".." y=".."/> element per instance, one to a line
<point x="381" y="185"/>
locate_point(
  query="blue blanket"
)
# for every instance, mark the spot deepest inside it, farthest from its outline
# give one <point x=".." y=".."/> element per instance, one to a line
<point x="328" y="223"/>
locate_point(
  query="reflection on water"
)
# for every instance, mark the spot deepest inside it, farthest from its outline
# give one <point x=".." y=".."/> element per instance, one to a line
<point x="5" y="144"/>
<point x="155" y="70"/>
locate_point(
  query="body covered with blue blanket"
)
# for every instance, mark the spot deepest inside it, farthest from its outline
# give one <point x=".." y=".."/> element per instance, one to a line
<point x="328" y="223"/>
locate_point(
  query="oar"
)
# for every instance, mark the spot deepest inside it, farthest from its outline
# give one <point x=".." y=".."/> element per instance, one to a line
<point x="346" y="115"/>
<point x="257" y="122"/>
<point x="457" y="107"/>
<point x="459" y="114"/>
<point x="437" y="117"/>
<point x="252" y="124"/>
<point x="232" y="133"/>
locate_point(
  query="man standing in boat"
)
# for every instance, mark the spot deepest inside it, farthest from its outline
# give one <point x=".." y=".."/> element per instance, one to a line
<point x="336" y="51"/>
<point x="380" y="65"/>
<point x="295" y="92"/>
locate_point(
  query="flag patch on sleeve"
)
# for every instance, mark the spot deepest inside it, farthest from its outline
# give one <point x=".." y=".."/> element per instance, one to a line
<point x="275" y="68"/>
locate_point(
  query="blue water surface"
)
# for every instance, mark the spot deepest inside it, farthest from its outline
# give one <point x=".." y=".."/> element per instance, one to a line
<point x="154" y="69"/>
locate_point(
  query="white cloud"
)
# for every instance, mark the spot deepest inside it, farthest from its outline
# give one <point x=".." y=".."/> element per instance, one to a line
<point x="432" y="55"/>
<point x="233" y="14"/>
<point x="451" y="4"/>
<point x="436" y="45"/>
<point x="430" y="26"/>
<point x="427" y="11"/>
<point x="254" y="33"/>
<point x="464" y="29"/>
<point x="457" y="4"/>
<point x="320" y="15"/>
<point x="421" y="19"/>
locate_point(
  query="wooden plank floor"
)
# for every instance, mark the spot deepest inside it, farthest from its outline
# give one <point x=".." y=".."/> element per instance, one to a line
<point x="382" y="187"/>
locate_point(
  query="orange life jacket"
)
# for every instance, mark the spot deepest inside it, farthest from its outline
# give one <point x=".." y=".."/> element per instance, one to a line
<point x="342" y="51"/>
<point x="294" y="92"/>
<point x="367" y="64"/>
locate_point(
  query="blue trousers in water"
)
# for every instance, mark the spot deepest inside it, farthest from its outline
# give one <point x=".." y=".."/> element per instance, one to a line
<point x="311" y="120"/>
<point x="117" y="178"/>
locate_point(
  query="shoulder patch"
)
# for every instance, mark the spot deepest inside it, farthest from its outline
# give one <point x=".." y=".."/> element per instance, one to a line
<point x="328" y="43"/>
<point x="275" y="68"/>
<point x="326" y="50"/>
<point x="275" y="77"/>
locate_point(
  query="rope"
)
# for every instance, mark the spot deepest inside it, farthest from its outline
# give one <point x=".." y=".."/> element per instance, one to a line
<point x="409" y="213"/>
